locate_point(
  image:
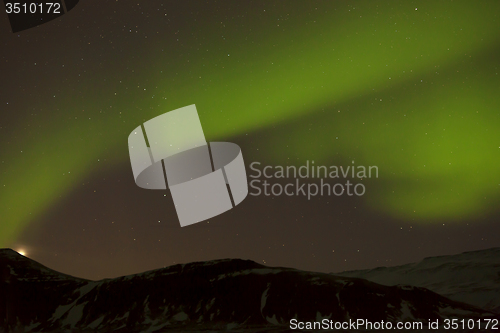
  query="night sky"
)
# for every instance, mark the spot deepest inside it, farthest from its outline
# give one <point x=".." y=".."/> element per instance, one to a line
<point x="410" y="87"/>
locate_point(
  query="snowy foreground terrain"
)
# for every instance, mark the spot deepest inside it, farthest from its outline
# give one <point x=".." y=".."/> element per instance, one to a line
<point x="470" y="277"/>
<point x="242" y="296"/>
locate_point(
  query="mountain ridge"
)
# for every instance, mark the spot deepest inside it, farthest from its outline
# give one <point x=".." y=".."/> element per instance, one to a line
<point x="472" y="277"/>
<point x="224" y="294"/>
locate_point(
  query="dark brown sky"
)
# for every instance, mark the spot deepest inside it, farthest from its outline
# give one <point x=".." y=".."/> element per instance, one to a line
<point x="74" y="88"/>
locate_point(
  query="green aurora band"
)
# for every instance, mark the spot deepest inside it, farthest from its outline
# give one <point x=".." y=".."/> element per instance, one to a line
<point x="415" y="92"/>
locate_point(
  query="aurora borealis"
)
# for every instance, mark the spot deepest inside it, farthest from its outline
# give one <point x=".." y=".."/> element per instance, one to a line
<point x="411" y="87"/>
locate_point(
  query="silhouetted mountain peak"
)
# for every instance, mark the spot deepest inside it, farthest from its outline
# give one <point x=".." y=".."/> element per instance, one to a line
<point x="14" y="264"/>
<point x="9" y="253"/>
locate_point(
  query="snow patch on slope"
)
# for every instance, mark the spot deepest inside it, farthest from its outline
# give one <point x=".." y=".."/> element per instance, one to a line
<point x="470" y="277"/>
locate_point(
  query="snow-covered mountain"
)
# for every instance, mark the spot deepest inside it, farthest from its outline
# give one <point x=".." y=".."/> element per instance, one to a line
<point x="470" y="277"/>
<point x="221" y="295"/>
